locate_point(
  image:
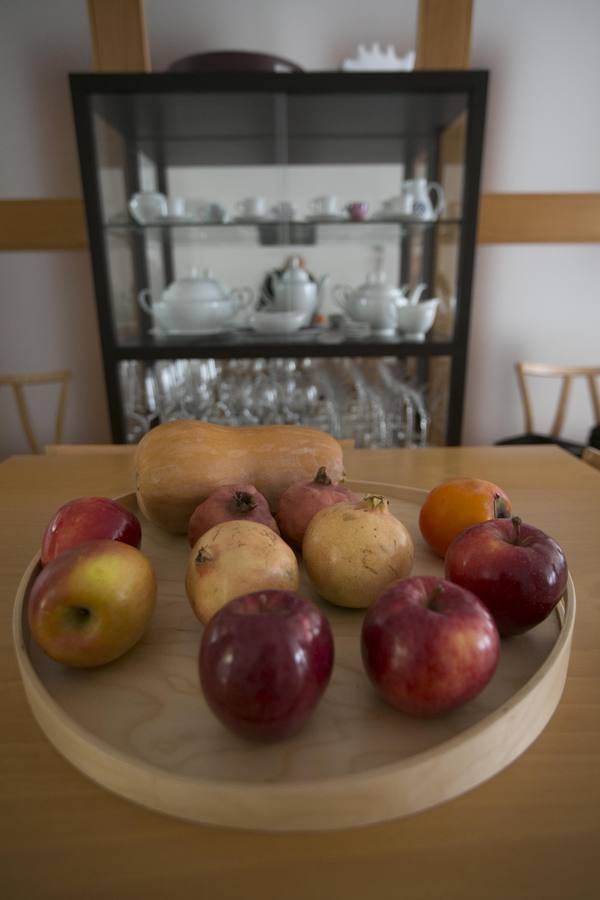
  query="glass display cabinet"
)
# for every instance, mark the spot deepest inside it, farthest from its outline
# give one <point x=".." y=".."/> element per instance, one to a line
<point x="284" y="247"/>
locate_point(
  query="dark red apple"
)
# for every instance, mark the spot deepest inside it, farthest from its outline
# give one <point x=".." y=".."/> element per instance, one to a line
<point x="428" y="645"/>
<point x="516" y="570"/>
<point x="87" y="519"/>
<point x="227" y="504"/>
<point x="303" y="499"/>
<point x="265" y="661"/>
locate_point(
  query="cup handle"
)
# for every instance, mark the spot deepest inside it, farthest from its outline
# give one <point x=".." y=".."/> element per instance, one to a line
<point x="244" y="298"/>
<point x="439" y="197"/>
<point x="133" y="209"/>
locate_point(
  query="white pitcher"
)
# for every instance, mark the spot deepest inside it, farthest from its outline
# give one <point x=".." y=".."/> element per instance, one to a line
<point x="416" y="193"/>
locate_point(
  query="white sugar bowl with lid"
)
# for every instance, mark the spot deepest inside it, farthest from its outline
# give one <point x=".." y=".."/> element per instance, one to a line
<point x="196" y="304"/>
<point x="294" y="290"/>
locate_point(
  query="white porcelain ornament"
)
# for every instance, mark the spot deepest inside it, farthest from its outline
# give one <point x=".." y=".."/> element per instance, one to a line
<point x="375" y="59"/>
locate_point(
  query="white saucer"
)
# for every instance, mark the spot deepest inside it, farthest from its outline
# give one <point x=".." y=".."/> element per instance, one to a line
<point x="328" y="217"/>
<point x="402" y="218"/>
<point x="197" y="332"/>
<point x="253" y="220"/>
<point x="166" y="220"/>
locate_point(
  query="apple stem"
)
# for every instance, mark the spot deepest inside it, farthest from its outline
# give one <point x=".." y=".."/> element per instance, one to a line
<point x="432" y="602"/>
<point x="202" y="556"/>
<point x="322" y="477"/>
<point x="516" y="521"/>
<point x="243" y="502"/>
<point x="501" y="510"/>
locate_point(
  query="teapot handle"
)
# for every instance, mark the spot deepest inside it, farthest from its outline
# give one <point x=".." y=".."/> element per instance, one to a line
<point x="144" y="303"/>
<point x="439" y="197"/>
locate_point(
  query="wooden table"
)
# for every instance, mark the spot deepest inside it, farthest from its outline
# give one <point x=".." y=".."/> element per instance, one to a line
<point x="533" y="831"/>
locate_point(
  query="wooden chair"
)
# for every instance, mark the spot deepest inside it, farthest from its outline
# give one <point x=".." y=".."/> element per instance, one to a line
<point x="566" y="375"/>
<point x="19" y="382"/>
<point x="591" y="455"/>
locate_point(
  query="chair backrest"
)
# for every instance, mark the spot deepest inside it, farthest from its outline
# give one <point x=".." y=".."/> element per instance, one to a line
<point x="566" y="374"/>
<point x="592" y="456"/>
<point x="19" y="382"/>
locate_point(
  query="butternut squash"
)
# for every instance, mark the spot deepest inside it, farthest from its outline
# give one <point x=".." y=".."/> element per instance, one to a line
<point x="178" y="464"/>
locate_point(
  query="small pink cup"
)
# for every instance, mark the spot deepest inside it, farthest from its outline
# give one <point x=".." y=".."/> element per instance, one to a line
<point x="358" y="210"/>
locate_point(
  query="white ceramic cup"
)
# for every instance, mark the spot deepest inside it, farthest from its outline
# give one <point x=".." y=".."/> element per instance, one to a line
<point x="148" y="206"/>
<point x="251" y="207"/>
<point x="177" y="207"/>
<point x="395" y="206"/>
<point x="283" y="210"/>
<point x="205" y="210"/>
<point x="325" y="205"/>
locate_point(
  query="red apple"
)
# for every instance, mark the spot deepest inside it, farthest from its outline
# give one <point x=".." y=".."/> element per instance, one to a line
<point x="265" y="661"/>
<point x="428" y="645"/>
<point x="92" y="603"/>
<point x="86" y="519"/>
<point x="227" y="504"/>
<point x="517" y="571"/>
<point x="303" y="499"/>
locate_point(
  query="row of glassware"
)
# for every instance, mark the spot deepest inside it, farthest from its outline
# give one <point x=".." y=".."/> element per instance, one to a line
<point x="367" y="400"/>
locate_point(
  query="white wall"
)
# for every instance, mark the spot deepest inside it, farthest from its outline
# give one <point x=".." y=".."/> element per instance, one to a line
<point x="542" y="302"/>
<point x="543" y="134"/>
<point x="47" y="312"/>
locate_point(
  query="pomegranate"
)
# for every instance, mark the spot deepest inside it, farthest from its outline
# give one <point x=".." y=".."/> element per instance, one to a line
<point x="299" y="503"/>
<point x="352" y="551"/>
<point x="226" y="504"/>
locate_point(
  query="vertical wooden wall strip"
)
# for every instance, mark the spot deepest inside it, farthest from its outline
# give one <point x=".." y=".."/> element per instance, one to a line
<point x="119" y="38"/>
<point x="444" y="34"/>
<point x="444" y="42"/>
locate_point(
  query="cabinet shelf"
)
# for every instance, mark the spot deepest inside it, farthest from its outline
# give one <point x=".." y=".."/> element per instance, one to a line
<point x="252" y="346"/>
<point x="297" y="232"/>
<point x="287" y="137"/>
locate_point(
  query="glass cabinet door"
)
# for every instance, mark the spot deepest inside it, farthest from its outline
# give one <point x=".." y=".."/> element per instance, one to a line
<point x="204" y="193"/>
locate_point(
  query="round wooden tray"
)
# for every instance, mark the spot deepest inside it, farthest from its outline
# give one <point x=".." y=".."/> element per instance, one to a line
<point x="140" y="726"/>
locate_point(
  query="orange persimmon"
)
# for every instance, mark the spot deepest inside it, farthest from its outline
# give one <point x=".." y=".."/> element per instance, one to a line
<point x="456" y="504"/>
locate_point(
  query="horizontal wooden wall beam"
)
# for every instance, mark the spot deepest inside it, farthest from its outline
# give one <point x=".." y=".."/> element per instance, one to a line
<point x="53" y="224"/>
<point x="59" y="224"/>
<point x="539" y="219"/>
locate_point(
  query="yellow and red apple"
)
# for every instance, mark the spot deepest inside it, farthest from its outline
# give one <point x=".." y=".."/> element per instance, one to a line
<point x="92" y="603"/>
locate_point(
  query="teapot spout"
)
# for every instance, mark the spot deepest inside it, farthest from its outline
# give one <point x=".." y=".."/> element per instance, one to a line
<point x="341" y="296"/>
<point x="323" y="287"/>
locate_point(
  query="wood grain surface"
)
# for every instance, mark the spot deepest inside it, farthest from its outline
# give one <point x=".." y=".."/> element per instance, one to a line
<point x="531" y="831"/>
<point x="539" y="218"/>
<point x="119" y="37"/>
<point x="141" y="728"/>
<point x="53" y="223"/>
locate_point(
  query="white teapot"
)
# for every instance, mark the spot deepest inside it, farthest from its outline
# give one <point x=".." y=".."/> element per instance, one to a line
<point x="375" y="302"/>
<point x="293" y="290"/>
<point x="196" y="304"/>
